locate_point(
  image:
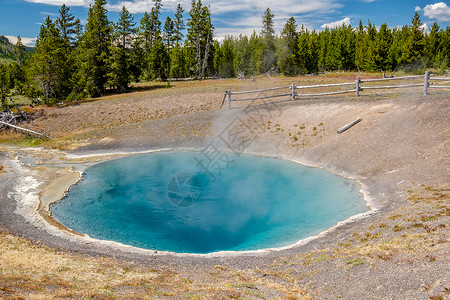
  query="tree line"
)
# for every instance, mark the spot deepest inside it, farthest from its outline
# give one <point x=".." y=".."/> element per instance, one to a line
<point x="72" y="61"/>
<point x="298" y="51"/>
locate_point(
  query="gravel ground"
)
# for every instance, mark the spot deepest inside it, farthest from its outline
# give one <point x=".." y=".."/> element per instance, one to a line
<point x="398" y="152"/>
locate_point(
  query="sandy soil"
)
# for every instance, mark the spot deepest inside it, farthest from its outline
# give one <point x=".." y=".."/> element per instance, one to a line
<point x="398" y="152"/>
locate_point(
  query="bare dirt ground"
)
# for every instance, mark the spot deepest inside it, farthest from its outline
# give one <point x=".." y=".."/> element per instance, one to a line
<point x="399" y="152"/>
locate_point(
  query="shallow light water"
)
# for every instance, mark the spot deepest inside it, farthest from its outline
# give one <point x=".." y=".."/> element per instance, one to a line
<point x="179" y="201"/>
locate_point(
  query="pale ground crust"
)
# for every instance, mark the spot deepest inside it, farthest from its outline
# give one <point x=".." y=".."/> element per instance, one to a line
<point x="401" y="144"/>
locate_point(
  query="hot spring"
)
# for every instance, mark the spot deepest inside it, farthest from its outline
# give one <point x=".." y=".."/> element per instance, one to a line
<point x="186" y="202"/>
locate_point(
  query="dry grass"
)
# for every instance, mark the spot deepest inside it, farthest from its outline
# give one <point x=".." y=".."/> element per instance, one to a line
<point x="34" y="271"/>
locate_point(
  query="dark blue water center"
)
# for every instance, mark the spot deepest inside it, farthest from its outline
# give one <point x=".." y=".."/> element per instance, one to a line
<point x="187" y="202"/>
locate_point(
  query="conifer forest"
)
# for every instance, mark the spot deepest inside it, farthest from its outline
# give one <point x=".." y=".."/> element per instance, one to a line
<point x="72" y="61"/>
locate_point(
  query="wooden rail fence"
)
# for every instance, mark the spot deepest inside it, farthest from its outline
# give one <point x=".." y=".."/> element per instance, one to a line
<point x="357" y="84"/>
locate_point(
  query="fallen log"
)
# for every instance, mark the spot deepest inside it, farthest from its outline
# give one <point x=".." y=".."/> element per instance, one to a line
<point x="26" y="130"/>
<point x="349" y="125"/>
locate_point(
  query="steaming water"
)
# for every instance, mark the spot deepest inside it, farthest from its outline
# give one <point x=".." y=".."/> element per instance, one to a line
<point x="168" y="201"/>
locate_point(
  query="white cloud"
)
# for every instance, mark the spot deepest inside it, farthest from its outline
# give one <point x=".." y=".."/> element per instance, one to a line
<point x="369" y="1"/>
<point x="61" y="2"/>
<point x="49" y="14"/>
<point x="232" y="16"/>
<point x="345" y="21"/>
<point x="25" y="41"/>
<point x="424" y="27"/>
<point x="417" y="8"/>
<point x="439" y="11"/>
<point x="291" y="7"/>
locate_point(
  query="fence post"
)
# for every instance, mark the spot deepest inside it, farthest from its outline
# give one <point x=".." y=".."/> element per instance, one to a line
<point x="425" y="83"/>
<point x="228" y="99"/>
<point x="293" y="91"/>
<point x="357" y="86"/>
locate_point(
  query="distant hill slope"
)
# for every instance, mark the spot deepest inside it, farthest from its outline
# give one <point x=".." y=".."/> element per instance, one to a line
<point x="6" y="49"/>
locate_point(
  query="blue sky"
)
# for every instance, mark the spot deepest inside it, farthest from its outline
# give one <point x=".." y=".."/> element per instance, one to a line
<point x="23" y="17"/>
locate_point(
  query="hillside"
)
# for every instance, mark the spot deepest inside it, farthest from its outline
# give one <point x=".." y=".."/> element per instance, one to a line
<point x="6" y="49"/>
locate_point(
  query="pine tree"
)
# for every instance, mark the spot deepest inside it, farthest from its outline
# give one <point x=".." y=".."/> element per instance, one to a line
<point x="20" y="51"/>
<point x="256" y="45"/>
<point x="303" y="55"/>
<point x="169" y="31"/>
<point x="50" y="62"/>
<point x="3" y="85"/>
<point x="312" y="65"/>
<point x="121" y="50"/>
<point x="333" y="57"/>
<point x="18" y="69"/>
<point x="146" y="37"/>
<point x="369" y="48"/>
<point x="433" y="43"/>
<point x="177" y="58"/>
<point x="414" y="45"/>
<point x="361" y="46"/>
<point x="395" y="49"/>
<point x="325" y="44"/>
<point x="224" y="58"/>
<point x="347" y="41"/>
<point x="268" y="35"/>
<point x="155" y="54"/>
<point x="383" y="44"/>
<point x="66" y="24"/>
<point x="95" y="52"/>
<point x="199" y="38"/>
<point x="445" y="52"/>
<point x="287" y="53"/>
<point x="177" y="62"/>
<point x="243" y="53"/>
<point x="178" y="25"/>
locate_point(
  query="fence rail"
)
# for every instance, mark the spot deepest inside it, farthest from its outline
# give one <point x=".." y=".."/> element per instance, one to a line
<point x="293" y="95"/>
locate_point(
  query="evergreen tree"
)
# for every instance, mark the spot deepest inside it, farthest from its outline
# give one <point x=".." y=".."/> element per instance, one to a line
<point x="333" y="56"/>
<point x="370" y="55"/>
<point x="18" y="69"/>
<point x="20" y="51"/>
<point x="312" y="65"/>
<point x="433" y="43"/>
<point x="199" y="38"/>
<point x="360" y="47"/>
<point x="3" y="85"/>
<point x="146" y="37"/>
<point x="445" y="52"/>
<point x="324" y="42"/>
<point x="121" y="50"/>
<point x="256" y="45"/>
<point x="268" y="35"/>
<point x="243" y="54"/>
<point x="95" y="52"/>
<point x="169" y="31"/>
<point x="288" y="51"/>
<point x="347" y="44"/>
<point x="66" y="24"/>
<point x="224" y="58"/>
<point x="178" y="25"/>
<point x="177" y="62"/>
<point x="177" y="58"/>
<point x="155" y="54"/>
<point x="49" y="63"/>
<point x="414" y="45"/>
<point x="303" y="55"/>
<point x="384" y="39"/>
